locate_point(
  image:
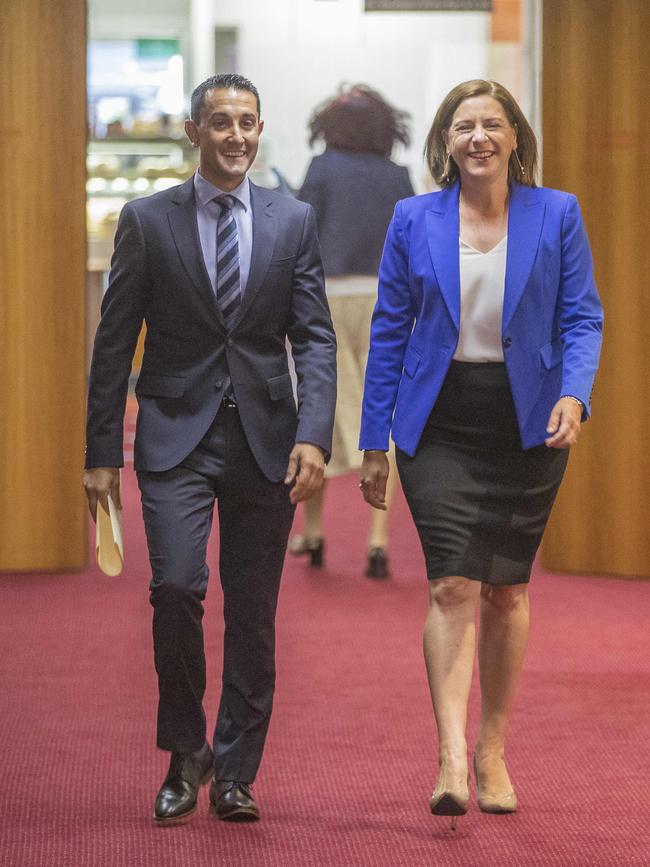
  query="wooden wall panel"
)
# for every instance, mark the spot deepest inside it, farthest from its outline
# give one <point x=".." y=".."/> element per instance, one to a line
<point x="595" y="77"/>
<point x="43" y="522"/>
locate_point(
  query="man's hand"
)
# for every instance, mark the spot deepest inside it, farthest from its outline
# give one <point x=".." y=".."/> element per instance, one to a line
<point x="374" y="475"/>
<point x="306" y="466"/>
<point x="99" y="482"/>
<point x="564" y="424"/>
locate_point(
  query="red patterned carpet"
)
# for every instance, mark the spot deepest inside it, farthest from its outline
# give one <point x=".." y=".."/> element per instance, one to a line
<point x="351" y="753"/>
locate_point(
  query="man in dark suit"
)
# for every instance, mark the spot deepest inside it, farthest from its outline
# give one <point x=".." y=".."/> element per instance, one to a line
<point x="222" y="272"/>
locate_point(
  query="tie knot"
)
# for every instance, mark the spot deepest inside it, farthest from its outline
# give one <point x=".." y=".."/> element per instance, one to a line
<point x="226" y="203"/>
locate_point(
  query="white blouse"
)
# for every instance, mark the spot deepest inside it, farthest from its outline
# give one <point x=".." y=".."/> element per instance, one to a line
<point x="482" y="284"/>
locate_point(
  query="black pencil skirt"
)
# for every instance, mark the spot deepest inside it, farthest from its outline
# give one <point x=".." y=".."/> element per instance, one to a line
<point x="479" y="501"/>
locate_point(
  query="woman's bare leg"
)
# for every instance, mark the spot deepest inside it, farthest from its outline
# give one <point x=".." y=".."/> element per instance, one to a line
<point x="503" y="637"/>
<point x="313" y="528"/>
<point x="449" y="641"/>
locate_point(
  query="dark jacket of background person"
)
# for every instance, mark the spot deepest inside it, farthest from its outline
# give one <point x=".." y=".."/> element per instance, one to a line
<point x="353" y="195"/>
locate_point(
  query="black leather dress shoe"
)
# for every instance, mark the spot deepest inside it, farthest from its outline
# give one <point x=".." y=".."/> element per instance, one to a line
<point x="232" y="801"/>
<point x="177" y="796"/>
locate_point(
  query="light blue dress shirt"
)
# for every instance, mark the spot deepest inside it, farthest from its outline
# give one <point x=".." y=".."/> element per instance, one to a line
<point x="207" y="215"/>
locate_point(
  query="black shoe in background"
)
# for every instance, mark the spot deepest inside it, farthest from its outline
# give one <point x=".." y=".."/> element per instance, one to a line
<point x="377" y="563"/>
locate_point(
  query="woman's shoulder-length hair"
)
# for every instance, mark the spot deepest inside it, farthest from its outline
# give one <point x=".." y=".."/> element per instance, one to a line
<point x="442" y="167"/>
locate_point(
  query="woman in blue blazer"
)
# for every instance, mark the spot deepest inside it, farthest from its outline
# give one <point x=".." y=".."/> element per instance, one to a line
<point x="484" y="346"/>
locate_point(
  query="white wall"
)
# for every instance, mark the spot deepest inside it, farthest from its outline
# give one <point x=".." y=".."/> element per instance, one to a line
<point x="297" y="52"/>
<point x="123" y="19"/>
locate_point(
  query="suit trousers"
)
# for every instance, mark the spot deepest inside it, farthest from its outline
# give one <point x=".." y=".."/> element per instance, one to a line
<point x="255" y="517"/>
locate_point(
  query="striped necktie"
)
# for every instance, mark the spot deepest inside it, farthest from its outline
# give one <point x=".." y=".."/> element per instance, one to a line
<point x="228" y="287"/>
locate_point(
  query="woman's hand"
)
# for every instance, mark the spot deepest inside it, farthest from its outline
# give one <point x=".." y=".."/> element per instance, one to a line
<point x="374" y="475"/>
<point x="564" y="423"/>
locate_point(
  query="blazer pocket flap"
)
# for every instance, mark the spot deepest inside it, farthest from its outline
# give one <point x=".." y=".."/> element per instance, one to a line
<point x="152" y="385"/>
<point x="412" y="361"/>
<point x="282" y="262"/>
<point x="551" y="354"/>
<point x="280" y="386"/>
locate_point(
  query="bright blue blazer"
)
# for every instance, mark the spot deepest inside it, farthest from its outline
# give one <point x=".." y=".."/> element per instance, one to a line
<point x="552" y="315"/>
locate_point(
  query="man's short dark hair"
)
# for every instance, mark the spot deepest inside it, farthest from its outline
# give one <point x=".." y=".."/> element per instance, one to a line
<point x="223" y="81"/>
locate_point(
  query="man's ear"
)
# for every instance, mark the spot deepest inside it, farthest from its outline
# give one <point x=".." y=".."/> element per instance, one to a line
<point x="260" y="127"/>
<point x="192" y="132"/>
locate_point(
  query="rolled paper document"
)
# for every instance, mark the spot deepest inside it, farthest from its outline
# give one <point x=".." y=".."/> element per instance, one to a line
<point x="108" y="539"/>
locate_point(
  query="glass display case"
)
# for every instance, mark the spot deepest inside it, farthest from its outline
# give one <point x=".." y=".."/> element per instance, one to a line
<point x="136" y="111"/>
<point x="123" y="169"/>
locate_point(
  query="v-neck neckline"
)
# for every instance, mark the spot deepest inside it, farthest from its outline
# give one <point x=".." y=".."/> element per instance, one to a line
<point x="481" y="252"/>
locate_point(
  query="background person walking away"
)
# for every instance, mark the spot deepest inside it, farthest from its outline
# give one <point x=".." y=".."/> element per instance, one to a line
<point x="353" y="187"/>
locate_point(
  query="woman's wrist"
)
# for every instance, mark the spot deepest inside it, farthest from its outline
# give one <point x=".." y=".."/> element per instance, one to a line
<point x="574" y="399"/>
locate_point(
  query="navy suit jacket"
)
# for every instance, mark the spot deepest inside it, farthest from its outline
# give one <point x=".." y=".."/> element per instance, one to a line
<point x="158" y="275"/>
<point x="552" y="316"/>
<point x="353" y="195"/>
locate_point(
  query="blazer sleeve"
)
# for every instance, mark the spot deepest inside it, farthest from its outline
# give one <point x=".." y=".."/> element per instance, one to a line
<point x="123" y="311"/>
<point x="392" y="323"/>
<point x="313" y="343"/>
<point x="579" y="312"/>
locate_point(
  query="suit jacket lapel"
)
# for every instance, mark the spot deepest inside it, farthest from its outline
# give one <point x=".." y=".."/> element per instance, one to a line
<point x="184" y="228"/>
<point x="265" y="228"/>
<point x="525" y="220"/>
<point x="442" y="236"/>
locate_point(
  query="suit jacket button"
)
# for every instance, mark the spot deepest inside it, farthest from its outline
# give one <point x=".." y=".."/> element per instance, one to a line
<point x="218" y="384"/>
<point x="507" y="341"/>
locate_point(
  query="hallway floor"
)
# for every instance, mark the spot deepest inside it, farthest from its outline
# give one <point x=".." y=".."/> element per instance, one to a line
<point x="351" y="754"/>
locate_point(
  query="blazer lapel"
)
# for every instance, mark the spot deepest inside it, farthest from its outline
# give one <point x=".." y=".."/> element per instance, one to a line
<point x="442" y="236"/>
<point x="265" y="229"/>
<point x="525" y="221"/>
<point x="184" y="228"/>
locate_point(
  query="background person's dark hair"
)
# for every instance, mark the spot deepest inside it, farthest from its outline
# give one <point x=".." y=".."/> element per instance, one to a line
<point x="445" y="171"/>
<point x="223" y="81"/>
<point x="359" y="119"/>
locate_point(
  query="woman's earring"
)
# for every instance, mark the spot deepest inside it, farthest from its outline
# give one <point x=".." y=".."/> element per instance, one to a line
<point x="521" y="168"/>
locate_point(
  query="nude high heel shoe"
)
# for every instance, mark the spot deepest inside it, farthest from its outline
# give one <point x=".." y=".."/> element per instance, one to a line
<point x="314" y="548"/>
<point x="501" y="802"/>
<point x="446" y="801"/>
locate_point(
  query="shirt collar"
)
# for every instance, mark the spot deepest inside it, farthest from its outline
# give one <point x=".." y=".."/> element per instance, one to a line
<point x="205" y="191"/>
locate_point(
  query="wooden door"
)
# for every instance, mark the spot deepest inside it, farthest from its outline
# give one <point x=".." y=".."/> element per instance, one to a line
<point x="595" y="120"/>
